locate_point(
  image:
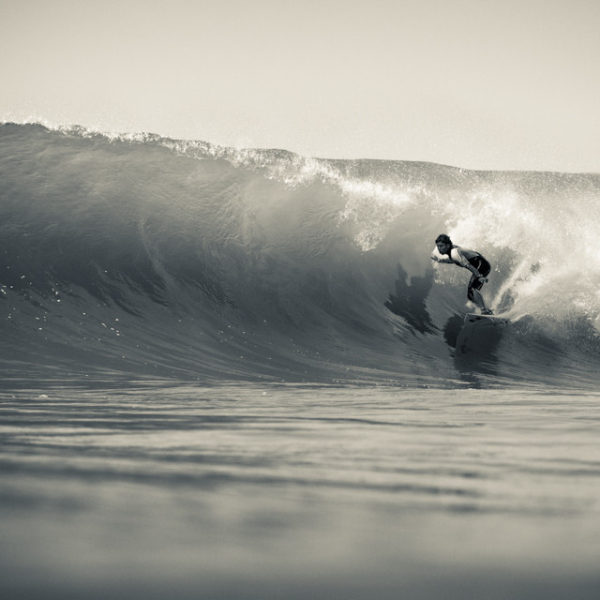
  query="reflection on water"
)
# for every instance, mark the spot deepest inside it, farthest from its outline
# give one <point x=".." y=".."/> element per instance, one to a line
<point x="298" y="492"/>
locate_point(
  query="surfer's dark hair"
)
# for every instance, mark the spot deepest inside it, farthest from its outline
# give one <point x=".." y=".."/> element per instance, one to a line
<point x="445" y="239"/>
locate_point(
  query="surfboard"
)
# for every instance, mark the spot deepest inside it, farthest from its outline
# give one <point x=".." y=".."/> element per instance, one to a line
<point x="475" y="318"/>
<point x="480" y="334"/>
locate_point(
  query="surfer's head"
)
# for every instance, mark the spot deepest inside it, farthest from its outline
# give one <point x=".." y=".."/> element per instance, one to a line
<point x="443" y="243"/>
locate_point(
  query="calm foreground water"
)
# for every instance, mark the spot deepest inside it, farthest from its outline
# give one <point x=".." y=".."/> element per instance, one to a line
<point x="299" y="492"/>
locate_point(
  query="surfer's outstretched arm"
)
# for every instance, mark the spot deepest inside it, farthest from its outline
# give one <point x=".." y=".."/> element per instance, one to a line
<point x="439" y="258"/>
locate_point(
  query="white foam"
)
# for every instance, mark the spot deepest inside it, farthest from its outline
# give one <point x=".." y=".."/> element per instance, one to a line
<point x="555" y="264"/>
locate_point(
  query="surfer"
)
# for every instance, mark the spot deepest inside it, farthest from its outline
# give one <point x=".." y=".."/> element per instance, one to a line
<point x="447" y="252"/>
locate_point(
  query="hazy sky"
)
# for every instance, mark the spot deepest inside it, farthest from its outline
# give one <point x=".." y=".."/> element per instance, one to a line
<point x="474" y="83"/>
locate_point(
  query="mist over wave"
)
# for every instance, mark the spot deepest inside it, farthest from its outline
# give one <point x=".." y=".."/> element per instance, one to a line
<point x="126" y="256"/>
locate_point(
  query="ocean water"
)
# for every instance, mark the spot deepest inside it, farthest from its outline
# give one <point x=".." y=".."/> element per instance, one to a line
<point x="233" y="374"/>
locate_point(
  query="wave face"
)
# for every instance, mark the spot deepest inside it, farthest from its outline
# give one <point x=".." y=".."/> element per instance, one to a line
<point x="141" y="256"/>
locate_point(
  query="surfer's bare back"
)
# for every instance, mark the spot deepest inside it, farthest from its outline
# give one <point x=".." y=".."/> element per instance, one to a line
<point x="447" y="252"/>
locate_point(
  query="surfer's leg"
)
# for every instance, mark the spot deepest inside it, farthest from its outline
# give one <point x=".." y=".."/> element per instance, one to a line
<point x="475" y="296"/>
<point x="484" y="266"/>
<point x="478" y="299"/>
<point x="475" y="284"/>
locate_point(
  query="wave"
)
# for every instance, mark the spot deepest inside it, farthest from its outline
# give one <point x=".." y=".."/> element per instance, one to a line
<point x="126" y="256"/>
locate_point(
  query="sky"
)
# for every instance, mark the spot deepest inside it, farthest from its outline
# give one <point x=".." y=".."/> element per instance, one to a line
<point x="479" y="84"/>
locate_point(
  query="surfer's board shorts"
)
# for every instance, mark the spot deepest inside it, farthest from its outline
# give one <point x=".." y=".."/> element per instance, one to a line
<point x="483" y="266"/>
